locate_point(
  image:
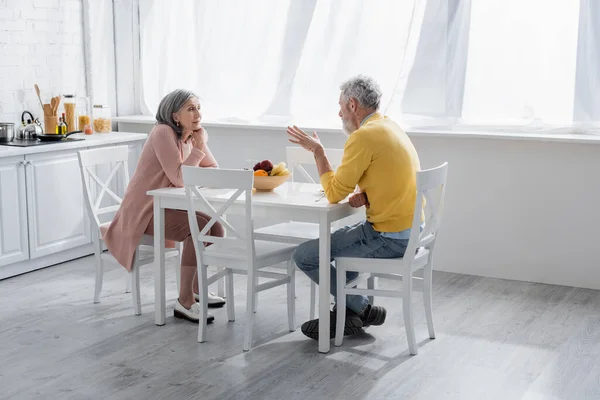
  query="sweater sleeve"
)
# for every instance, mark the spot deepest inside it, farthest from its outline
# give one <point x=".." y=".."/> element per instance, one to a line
<point x="209" y="160"/>
<point x="357" y="158"/>
<point x="168" y="155"/>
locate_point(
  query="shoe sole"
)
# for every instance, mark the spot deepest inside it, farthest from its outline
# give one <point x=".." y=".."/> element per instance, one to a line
<point x="216" y="305"/>
<point x="378" y="321"/>
<point x="212" y="305"/>
<point x="311" y="329"/>
<point x="179" y="314"/>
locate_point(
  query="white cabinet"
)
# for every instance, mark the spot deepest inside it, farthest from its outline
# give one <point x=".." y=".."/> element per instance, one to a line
<point x="13" y="211"/>
<point x="43" y="218"/>
<point x="56" y="210"/>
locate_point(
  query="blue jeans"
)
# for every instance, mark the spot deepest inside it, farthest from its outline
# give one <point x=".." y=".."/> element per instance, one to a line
<point x="359" y="240"/>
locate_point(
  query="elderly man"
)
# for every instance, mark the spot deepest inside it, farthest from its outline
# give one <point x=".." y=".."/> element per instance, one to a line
<point x="380" y="159"/>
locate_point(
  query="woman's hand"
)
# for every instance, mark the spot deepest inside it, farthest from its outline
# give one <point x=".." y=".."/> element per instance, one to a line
<point x="199" y="138"/>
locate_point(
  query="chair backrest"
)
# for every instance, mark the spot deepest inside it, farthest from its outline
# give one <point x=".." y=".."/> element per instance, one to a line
<point x="240" y="182"/>
<point x="89" y="160"/>
<point x="431" y="189"/>
<point x="296" y="157"/>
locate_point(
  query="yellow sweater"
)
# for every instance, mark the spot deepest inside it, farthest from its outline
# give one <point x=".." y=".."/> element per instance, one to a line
<point x="382" y="160"/>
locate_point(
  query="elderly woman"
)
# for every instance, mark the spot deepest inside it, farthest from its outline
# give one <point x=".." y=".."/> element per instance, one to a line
<point x="177" y="139"/>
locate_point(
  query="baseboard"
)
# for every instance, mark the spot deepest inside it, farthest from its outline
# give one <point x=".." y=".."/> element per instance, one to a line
<point x="8" y="271"/>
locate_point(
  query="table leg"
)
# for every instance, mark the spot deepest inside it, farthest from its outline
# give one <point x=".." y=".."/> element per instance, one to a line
<point x="324" y="281"/>
<point x="159" y="264"/>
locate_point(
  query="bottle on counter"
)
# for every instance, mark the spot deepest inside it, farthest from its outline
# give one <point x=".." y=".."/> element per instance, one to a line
<point x="69" y="104"/>
<point x="61" y="128"/>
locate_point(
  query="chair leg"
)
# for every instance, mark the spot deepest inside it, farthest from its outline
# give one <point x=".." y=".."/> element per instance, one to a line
<point x="340" y="318"/>
<point x="427" y="289"/>
<point x="221" y="292"/>
<point x="99" y="268"/>
<point x="203" y="304"/>
<point x="291" y="301"/>
<point x="255" y="294"/>
<point x="250" y="297"/>
<point x="134" y="277"/>
<point x="128" y="283"/>
<point x="408" y="314"/>
<point x="313" y="294"/>
<point x="372" y="284"/>
<point x="178" y="265"/>
<point x="229" y="292"/>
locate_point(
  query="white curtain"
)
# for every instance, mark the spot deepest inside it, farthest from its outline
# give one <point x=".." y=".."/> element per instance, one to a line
<point x="473" y="64"/>
<point x="516" y="65"/>
<point x="521" y="62"/>
<point x="100" y="52"/>
<point x="273" y="60"/>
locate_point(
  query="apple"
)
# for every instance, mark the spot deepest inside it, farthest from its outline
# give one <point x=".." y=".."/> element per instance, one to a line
<point x="256" y="166"/>
<point x="266" y="165"/>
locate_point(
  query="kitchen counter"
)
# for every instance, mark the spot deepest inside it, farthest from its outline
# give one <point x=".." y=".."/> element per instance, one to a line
<point x="43" y="214"/>
<point x="97" y="139"/>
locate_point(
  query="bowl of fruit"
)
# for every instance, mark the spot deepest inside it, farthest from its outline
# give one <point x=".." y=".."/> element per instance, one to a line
<point x="268" y="176"/>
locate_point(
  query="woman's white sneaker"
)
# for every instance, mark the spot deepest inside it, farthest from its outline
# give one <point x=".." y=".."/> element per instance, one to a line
<point x="193" y="314"/>
<point x="214" y="301"/>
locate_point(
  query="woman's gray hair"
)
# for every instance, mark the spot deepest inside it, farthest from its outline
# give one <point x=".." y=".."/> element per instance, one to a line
<point x="364" y="89"/>
<point x="169" y="105"/>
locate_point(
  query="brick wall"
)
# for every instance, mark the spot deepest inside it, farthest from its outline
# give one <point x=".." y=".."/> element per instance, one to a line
<point x="41" y="41"/>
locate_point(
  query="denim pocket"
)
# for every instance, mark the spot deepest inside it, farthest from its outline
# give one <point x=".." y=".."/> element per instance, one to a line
<point x="389" y="248"/>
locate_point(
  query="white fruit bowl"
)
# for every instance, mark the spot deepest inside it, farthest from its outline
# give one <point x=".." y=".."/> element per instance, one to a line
<point x="268" y="183"/>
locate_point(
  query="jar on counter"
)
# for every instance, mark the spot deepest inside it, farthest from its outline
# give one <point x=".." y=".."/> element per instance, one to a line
<point x="84" y="113"/>
<point x="101" y="116"/>
<point x="69" y="105"/>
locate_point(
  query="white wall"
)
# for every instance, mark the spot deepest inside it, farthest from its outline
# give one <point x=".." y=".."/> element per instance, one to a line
<point x="515" y="209"/>
<point x="41" y="41"/>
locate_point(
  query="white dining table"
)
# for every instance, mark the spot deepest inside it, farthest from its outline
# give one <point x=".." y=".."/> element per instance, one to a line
<point x="302" y="202"/>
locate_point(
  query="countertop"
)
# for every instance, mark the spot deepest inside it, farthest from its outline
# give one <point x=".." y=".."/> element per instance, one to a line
<point x="97" y="139"/>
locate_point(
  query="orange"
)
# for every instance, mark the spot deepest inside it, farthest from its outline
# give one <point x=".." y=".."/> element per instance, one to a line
<point x="260" y="172"/>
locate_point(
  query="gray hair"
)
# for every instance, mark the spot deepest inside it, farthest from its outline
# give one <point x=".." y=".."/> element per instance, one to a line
<point x="364" y="89"/>
<point x="169" y="105"/>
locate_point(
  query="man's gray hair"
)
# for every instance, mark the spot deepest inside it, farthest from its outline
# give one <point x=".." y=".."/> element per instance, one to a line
<point x="364" y="89"/>
<point x="170" y="104"/>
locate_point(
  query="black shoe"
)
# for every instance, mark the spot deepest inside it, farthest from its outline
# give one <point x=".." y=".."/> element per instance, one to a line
<point x="373" y="315"/>
<point x="352" y="326"/>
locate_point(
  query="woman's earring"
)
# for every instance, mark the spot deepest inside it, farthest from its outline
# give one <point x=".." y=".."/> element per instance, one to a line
<point x="177" y="123"/>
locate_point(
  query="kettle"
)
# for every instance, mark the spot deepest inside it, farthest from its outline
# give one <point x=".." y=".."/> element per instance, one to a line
<point x="31" y="129"/>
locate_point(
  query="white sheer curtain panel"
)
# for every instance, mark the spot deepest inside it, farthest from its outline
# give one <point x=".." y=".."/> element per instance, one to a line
<point x="528" y="65"/>
<point x="228" y="51"/>
<point x="99" y="52"/>
<point x="347" y="38"/>
<point x="521" y="62"/>
<point x="272" y="60"/>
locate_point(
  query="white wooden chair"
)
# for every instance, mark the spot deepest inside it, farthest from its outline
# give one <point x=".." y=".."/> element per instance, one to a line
<point x="431" y="186"/>
<point x="300" y="232"/>
<point x="116" y="159"/>
<point x="238" y="253"/>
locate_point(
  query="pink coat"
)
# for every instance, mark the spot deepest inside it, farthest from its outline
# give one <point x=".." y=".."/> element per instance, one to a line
<point x="159" y="166"/>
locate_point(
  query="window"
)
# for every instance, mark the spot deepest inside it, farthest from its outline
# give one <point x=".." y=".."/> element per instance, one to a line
<point x="533" y="64"/>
